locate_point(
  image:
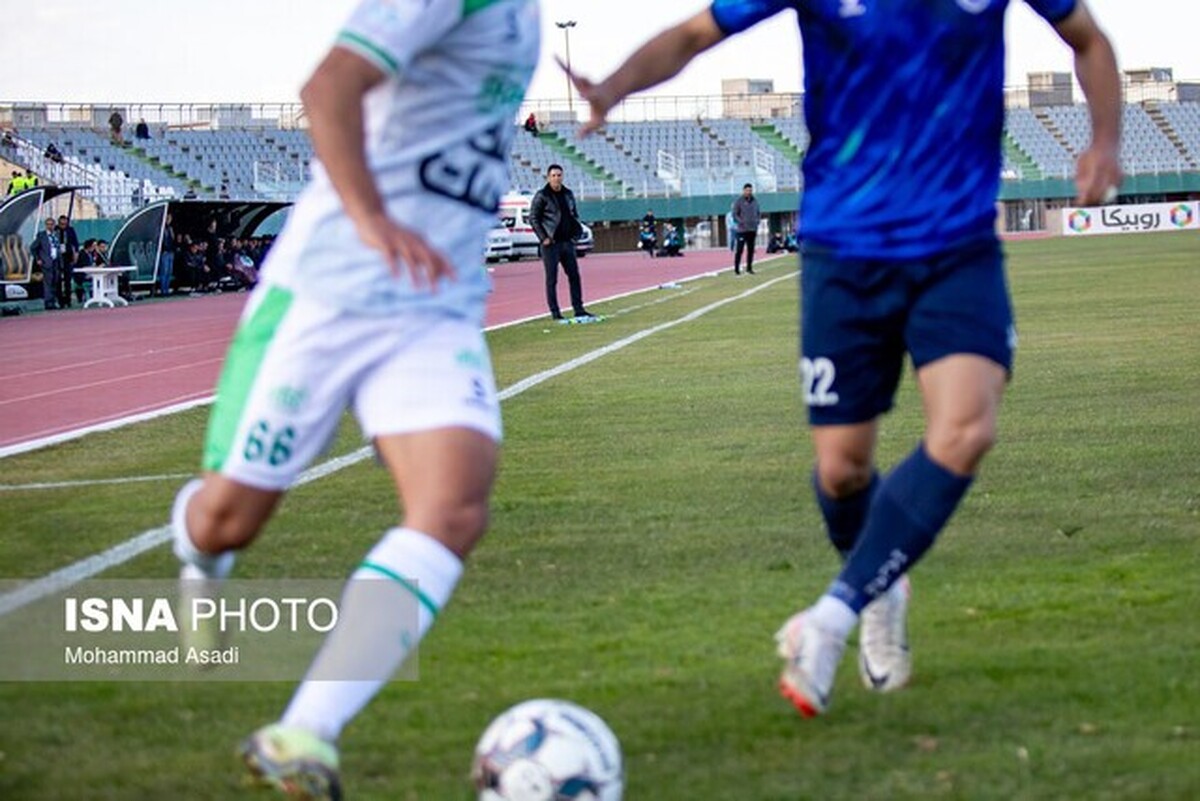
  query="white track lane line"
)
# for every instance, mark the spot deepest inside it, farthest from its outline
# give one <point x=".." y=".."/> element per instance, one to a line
<point x="152" y="414"/>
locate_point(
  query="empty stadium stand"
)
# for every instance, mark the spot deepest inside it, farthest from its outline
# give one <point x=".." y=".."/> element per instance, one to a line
<point x="90" y="159"/>
<point x="647" y="159"/>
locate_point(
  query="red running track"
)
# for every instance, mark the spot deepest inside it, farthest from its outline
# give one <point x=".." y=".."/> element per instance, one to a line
<point x="65" y="371"/>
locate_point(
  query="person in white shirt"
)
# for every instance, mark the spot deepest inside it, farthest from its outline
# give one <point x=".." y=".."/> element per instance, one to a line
<point x="373" y="298"/>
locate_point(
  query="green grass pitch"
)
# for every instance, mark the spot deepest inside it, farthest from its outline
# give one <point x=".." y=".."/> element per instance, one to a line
<point x="653" y="525"/>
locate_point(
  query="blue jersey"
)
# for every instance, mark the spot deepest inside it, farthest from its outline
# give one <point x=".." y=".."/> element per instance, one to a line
<point x="904" y="101"/>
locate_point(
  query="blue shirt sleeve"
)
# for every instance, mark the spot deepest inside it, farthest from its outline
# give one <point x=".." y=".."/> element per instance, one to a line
<point x="1052" y="11"/>
<point x="735" y="16"/>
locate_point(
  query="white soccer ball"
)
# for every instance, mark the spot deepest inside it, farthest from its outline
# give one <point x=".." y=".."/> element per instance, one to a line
<point x="547" y="750"/>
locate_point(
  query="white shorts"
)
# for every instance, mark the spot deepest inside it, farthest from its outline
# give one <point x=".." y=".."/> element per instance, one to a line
<point x="296" y="365"/>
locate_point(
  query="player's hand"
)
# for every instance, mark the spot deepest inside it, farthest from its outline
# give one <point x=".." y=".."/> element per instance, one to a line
<point x="1097" y="177"/>
<point x="546" y="242"/>
<point x="595" y="96"/>
<point x="404" y="249"/>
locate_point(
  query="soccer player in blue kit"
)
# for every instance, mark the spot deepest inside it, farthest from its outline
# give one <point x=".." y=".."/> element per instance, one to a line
<point x="904" y="103"/>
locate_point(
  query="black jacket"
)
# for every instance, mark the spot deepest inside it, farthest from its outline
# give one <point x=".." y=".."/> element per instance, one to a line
<point x="544" y="215"/>
<point x="70" y="243"/>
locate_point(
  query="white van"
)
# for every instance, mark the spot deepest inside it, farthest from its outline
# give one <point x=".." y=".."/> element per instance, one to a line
<point x="514" y="213"/>
<point x="499" y="243"/>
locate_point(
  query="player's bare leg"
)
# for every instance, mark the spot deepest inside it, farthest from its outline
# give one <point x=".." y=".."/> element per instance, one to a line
<point x="961" y="395"/>
<point x="444" y="478"/>
<point x="212" y="518"/>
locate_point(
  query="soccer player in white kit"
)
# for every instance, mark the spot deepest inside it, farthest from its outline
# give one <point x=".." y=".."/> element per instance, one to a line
<point x="373" y="299"/>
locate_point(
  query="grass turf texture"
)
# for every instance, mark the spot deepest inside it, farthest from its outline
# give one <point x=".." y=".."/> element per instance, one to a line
<point x="652" y="527"/>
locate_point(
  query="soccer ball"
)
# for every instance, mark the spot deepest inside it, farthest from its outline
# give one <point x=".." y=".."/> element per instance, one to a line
<point x="547" y="750"/>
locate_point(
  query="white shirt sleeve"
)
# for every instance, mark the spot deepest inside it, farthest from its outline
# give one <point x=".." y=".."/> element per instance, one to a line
<point x="391" y="33"/>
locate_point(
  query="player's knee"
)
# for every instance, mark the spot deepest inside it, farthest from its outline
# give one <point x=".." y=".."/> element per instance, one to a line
<point x="216" y="525"/>
<point x="458" y="526"/>
<point x="841" y="477"/>
<point x="469" y="520"/>
<point x="961" y="447"/>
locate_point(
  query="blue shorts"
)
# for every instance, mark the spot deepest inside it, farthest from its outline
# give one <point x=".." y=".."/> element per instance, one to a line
<point x="860" y="316"/>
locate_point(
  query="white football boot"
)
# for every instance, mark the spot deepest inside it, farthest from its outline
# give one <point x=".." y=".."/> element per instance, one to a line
<point x="811" y="656"/>
<point x="884" y="660"/>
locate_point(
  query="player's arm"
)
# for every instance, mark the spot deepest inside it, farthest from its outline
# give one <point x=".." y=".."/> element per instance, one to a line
<point x="658" y="60"/>
<point x="333" y="100"/>
<point x="1098" y="173"/>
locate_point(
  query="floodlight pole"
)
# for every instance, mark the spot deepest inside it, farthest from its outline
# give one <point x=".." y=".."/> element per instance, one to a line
<point x="566" y="29"/>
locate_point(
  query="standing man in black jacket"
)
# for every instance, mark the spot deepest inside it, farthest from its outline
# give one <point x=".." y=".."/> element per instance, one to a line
<point x="746" y="215"/>
<point x="70" y="254"/>
<point x="555" y="219"/>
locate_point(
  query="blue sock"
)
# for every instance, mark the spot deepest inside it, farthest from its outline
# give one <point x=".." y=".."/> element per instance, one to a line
<point x="844" y="517"/>
<point x="910" y="508"/>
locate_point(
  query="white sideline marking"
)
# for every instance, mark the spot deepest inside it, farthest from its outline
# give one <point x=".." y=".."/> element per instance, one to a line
<point x="91" y="482"/>
<point x="129" y="549"/>
<point x="675" y="295"/>
<point x="617" y="296"/>
<point x="120" y="422"/>
<point x="587" y="358"/>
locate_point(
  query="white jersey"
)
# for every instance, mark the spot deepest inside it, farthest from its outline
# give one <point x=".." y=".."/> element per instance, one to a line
<point x="438" y="134"/>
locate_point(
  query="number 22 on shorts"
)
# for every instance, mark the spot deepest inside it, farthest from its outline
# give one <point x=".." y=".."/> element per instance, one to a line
<point x="816" y="377"/>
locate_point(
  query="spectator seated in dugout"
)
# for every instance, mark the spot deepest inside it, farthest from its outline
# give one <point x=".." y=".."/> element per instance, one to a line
<point x="199" y="274"/>
<point x="86" y="258"/>
<point x="241" y="273"/>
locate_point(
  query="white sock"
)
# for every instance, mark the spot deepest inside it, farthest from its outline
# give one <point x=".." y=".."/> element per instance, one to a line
<point x="196" y="563"/>
<point x="834" y="616"/>
<point x="367" y="640"/>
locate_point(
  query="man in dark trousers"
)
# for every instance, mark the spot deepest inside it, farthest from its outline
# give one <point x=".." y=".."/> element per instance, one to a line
<point x="70" y="255"/>
<point x="48" y="255"/>
<point x="745" y="217"/>
<point x="555" y="220"/>
<point x="166" y="258"/>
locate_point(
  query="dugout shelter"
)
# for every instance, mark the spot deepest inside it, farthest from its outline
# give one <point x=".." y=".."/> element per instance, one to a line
<point x="138" y="242"/>
<point x="21" y="218"/>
